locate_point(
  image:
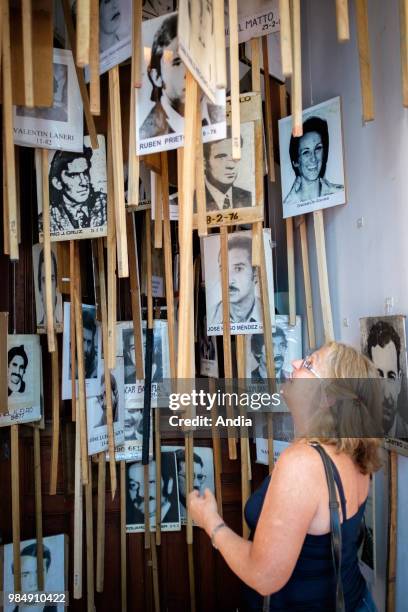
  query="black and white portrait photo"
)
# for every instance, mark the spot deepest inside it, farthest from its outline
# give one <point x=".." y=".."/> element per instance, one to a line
<point x="61" y="125"/>
<point x="134" y="389"/>
<point x="131" y="448"/>
<point x="197" y="44"/>
<point x="383" y="341"/>
<point x="78" y="198"/>
<point x="23" y="357"/>
<point x="230" y="183"/>
<point x="115" y="32"/>
<point x="96" y="416"/>
<point x="287" y="346"/>
<point x="246" y="315"/>
<point x="207" y="345"/>
<point x="203" y="473"/>
<point x="161" y="99"/>
<point x="39" y="282"/>
<point x="312" y="165"/>
<point x="91" y="351"/>
<point x="135" y="495"/>
<point x="55" y="549"/>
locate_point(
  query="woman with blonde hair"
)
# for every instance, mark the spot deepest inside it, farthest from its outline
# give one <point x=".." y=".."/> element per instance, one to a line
<point x="297" y="540"/>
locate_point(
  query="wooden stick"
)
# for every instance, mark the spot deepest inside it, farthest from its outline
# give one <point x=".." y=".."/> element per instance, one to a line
<point x="38" y="508"/>
<point x="83" y="28"/>
<point x="234" y="69"/>
<point x="100" y="523"/>
<point x="268" y="110"/>
<point x="137" y="44"/>
<point x="168" y="265"/>
<point x="365" y="60"/>
<point x="80" y="75"/>
<point x="323" y="276"/>
<point x="256" y="65"/>
<point x="135" y="295"/>
<point x="245" y="459"/>
<point x="307" y="283"/>
<point x="94" y="80"/>
<point x="6" y="229"/>
<point x="78" y="515"/>
<point x="118" y="180"/>
<point x="49" y="306"/>
<point x="90" y="582"/>
<point x="190" y="553"/>
<point x="219" y="33"/>
<point x="286" y="38"/>
<point x="342" y="16"/>
<point x="256" y="86"/>
<point x="123" y="561"/>
<point x="27" y="53"/>
<point x="108" y="386"/>
<point x="55" y="421"/>
<point x="297" y="122"/>
<point x="72" y="333"/>
<point x="199" y="179"/>
<point x="8" y="136"/>
<point x="18" y="198"/>
<point x="15" y="505"/>
<point x="403" y="5"/>
<point x="155" y="575"/>
<point x="185" y="368"/>
<point x="158" y="221"/>
<point x="111" y="260"/>
<point x="216" y="450"/>
<point x="226" y="334"/>
<point x="392" y="533"/>
<point x="81" y="368"/>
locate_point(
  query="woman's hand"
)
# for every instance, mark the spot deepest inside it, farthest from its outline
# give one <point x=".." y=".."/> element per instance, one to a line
<point x="203" y="509"/>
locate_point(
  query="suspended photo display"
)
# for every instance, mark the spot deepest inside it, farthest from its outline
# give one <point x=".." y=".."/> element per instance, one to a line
<point x="136" y="492"/>
<point x="96" y="408"/>
<point x="131" y="448"/>
<point x="234" y="188"/>
<point x="197" y="45"/>
<point x="383" y="340"/>
<point x="161" y="99"/>
<point x="134" y="389"/>
<point x="287" y="346"/>
<point x="78" y="192"/>
<point x="61" y="125"/>
<point x="255" y="18"/>
<point x="312" y="165"/>
<point x="203" y="477"/>
<point x="55" y="556"/>
<point x="91" y="351"/>
<point x="23" y="382"/>
<point x="246" y="314"/>
<point x="39" y="283"/>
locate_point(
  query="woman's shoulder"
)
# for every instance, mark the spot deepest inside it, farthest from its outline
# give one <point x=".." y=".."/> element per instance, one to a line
<point x="299" y="458"/>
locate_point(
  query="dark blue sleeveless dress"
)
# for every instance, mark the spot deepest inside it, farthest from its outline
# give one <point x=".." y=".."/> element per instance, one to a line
<point x="311" y="587"/>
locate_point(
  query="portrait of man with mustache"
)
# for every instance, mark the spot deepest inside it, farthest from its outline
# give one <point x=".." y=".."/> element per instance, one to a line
<point x="17" y="365"/>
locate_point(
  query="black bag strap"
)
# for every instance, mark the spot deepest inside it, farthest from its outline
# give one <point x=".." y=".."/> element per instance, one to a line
<point x="335" y="526"/>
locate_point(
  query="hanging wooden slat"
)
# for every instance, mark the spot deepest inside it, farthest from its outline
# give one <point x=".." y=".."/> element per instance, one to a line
<point x="100" y="523"/>
<point x="307" y="283"/>
<point x="49" y="306"/>
<point x="72" y="332"/>
<point x="392" y="532"/>
<point x="78" y="515"/>
<point x="111" y="260"/>
<point x="38" y="508"/>
<point x="342" y="16"/>
<point x="26" y="12"/>
<point x="55" y="421"/>
<point x="108" y="385"/>
<point x="83" y="28"/>
<point x="268" y="111"/>
<point x="245" y="458"/>
<point x="297" y="123"/>
<point x="3" y="362"/>
<point x="158" y="214"/>
<point x="80" y="75"/>
<point x="9" y="155"/>
<point x="363" y="39"/>
<point x="15" y="505"/>
<point x="123" y="561"/>
<point x="234" y="78"/>
<point x="323" y="275"/>
<point x="135" y="295"/>
<point x="199" y="179"/>
<point x="286" y="37"/>
<point x="90" y="578"/>
<point x="94" y="80"/>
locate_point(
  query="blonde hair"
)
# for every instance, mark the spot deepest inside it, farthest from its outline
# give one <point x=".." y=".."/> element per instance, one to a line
<point x="355" y="416"/>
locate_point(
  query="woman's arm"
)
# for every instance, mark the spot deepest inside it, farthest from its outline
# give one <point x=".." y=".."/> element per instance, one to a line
<point x="291" y="501"/>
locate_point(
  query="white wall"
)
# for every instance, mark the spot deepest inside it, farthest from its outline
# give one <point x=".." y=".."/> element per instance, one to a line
<point x="365" y="265"/>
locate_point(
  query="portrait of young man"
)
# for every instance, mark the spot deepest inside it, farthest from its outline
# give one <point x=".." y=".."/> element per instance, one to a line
<point x="101" y="398"/>
<point x="221" y="172"/>
<point x="17" y="365"/>
<point x="385" y="346"/>
<point x="29" y="577"/>
<point x="39" y="275"/>
<point x="109" y="23"/>
<point x="245" y="305"/>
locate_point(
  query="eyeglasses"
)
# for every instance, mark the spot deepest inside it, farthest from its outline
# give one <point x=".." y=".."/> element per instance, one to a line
<point x="307" y="365"/>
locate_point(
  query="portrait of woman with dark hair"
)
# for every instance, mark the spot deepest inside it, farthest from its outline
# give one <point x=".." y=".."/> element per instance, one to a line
<point x="308" y="155"/>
